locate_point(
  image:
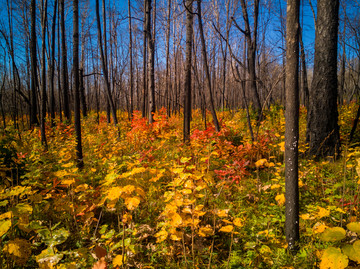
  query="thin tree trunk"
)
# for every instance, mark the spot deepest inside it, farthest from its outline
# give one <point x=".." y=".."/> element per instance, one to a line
<point x="151" y="62"/>
<point x="304" y="80"/>
<point x="207" y="71"/>
<point x="168" y="25"/>
<point x="33" y="115"/>
<point x="52" y="67"/>
<point x="131" y="64"/>
<point x="104" y="65"/>
<point x="79" y="154"/>
<point x="145" y="77"/>
<point x="188" y="59"/>
<point x="64" y="69"/>
<point x="292" y="126"/>
<point x="43" y="74"/>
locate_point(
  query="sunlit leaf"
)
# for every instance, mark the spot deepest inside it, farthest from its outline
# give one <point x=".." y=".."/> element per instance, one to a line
<point x="175" y="219"/>
<point x="222" y="213"/>
<point x="237" y="222"/>
<point x="4" y="226"/>
<point x="280" y="199"/>
<point x="333" y="234"/>
<point x="7" y="215"/>
<point x="161" y="236"/>
<point x="261" y="162"/>
<point x="132" y="203"/>
<point x="49" y="257"/>
<point x="323" y="212"/>
<point x="354" y="227"/>
<point x="332" y="258"/>
<point x="19" y="249"/>
<point x="227" y="229"/>
<point x="118" y="260"/>
<point x="206" y="231"/>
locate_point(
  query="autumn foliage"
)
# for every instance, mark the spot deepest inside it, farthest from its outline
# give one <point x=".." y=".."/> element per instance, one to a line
<point x="146" y="200"/>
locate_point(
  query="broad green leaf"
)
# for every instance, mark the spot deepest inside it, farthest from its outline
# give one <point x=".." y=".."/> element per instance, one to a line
<point x="49" y="257"/>
<point x="354" y="227"/>
<point x="353" y="251"/>
<point x="4" y="226"/>
<point x="333" y="234"/>
<point x="332" y="258"/>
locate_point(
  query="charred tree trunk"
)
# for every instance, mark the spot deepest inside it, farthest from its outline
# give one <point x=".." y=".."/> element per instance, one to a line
<point x="322" y="127"/>
<point x="33" y="115"/>
<point x="292" y="126"/>
<point x="52" y="67"/>
<point x="43" y="75"/>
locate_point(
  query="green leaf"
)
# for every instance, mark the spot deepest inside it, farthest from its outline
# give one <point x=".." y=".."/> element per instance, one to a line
<point x="333" y="234"/>
<point x="53" y="238"/>
<point x="354" y="227"/>
<point x="4" y="203"/>
<point x="49" y="257"/>
<point x="353" y="251"/>
<point x="332" y="258"/>
<point x="22" y="209"/>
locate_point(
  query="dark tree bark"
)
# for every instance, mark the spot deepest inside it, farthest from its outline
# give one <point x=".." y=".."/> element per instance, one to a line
<point x="168" y="25"/>
<point x="188" y="60"/>
<point x="292" y="125"/>
<point x="131" y="64"/>
<point x="304" y="81"/>
<point x="104" y="65"/>
<point x="151" y="62"/>
<point x="43" y="74"/>
<point x="52" y="67"/>
<point x="79" y="154"/>
<point x="33" y="115"/>
<point x="322" y="127"/>
<point x="64" y="68"/>
<point x="145" y="77"/>
<point x="207" y="71"/>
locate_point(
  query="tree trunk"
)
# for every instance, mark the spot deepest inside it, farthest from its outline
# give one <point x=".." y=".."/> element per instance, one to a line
<point x="43" y="74"/>
<point x="207" y="71"/>
<point x="131" y="64"/>
<point x="52" y="67"/>
<point x="33" y="115"/>
<point x="64" y="69"/>
<point x="292" y="125"/>
<point x="151" y="63"/>
<point x="188" y="59"/>
<point x="104" y="65"/>
<point x="322" y="127"/>
<point x="145" y="77"/>
<point x="79" y="154"/>
<point x="304" y="81"/>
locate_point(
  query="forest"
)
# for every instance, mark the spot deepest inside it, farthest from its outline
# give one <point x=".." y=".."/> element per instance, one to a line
<point x="179" y="134"/>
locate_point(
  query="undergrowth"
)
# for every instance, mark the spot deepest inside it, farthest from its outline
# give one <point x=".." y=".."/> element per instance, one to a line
<point x="146" y="200"/>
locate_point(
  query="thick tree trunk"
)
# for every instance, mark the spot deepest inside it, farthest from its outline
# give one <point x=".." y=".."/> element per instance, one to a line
<point x="188" y="60"/>
<point x="151" y="63"/>
<point x="322" y="127"/>
<point x="292" y="125"/>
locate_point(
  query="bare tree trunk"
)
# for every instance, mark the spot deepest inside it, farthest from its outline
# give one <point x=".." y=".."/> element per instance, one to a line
<point x="207" y="71"/>
<point x="322" y="128"/>
<point x="145" y="77"/>
<point x="104" y="65"/>
<point x="168" y="25"/>
<point x="43" y="74"/>
<point x="33" y="115"/>
<point x="64" y="69"/>
<point x="79" y="154"/>
<point x="131" y="64"/>
<point x="188" y="60"/>
<point x="304" y="80"/>
<point x="292" y="126"/>
<point x="52" y="67"/>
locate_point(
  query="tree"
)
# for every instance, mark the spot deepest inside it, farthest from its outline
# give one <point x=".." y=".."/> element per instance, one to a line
<point x="79" y="155"/>
<point x="131" y="63"/>
<point x="52" y="67"/>
<point x="43" y="74"/>
<point x="322" y="127"/>
<point x="292" y="125"/>
<point x="206" y="67"/>
<point x="33" y="115"/>
<point x="104" y="65"/>
<point x="64" y="68"/>
<point x="188" y="60"/>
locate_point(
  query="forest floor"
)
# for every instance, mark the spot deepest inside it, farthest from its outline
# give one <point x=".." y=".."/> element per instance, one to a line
<point x="144" y="199"/>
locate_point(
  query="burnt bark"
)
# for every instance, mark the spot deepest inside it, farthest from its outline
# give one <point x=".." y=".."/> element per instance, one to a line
<point x="322" y="127"/>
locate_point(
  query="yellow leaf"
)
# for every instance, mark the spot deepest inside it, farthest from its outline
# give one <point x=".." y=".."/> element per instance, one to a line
<point x="175" y="219"/>
<point x="19" y="249"/>
<point x="68" y="182"/>
<point x="323" y="212"/>
<point x="6" y="215"/>
<point x="132" y="203"/>
<point x="93" y="169"/>
<point x="206" y="231"/>
<point x="185" y="159"/>
<point x="261" y="162"/>
<point x="118" y="260"/>
<point x="332" y="258"/>
<point x="161" y="236"/>
<point x="67" y="165"/>
<point x="222" y="213"/>
<point x="114" y="193"/>
<point x="189" y="184"/>
<point x="280" y="199"/>
<point x="282" y="146"/>
<point x="227" y="229"/>
<point x="238" y="222"/>
<point x="306" y="216"/>
<point x="319" y="227"/>
<point x="275" y="186"/>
